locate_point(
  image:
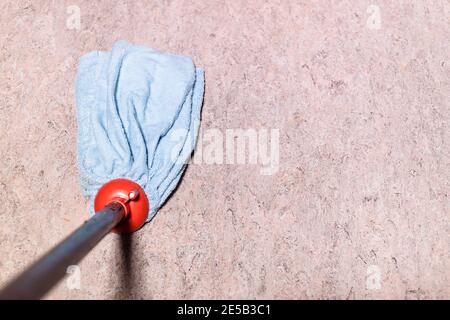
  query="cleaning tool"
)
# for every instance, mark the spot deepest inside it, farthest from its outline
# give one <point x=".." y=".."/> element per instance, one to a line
<point x="138" y="112"/>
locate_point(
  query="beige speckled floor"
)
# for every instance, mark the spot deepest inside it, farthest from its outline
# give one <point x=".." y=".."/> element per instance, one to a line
<point x="360" y="205"/>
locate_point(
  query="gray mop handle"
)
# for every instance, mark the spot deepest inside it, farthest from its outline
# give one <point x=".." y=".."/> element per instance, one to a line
<point x="42" y="275"/>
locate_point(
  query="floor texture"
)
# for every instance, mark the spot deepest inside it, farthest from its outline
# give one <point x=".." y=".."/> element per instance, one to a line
<point x="360" y="204"/>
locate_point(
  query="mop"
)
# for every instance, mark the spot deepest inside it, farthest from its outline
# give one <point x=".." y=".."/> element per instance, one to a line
<point x="138" y="112"/>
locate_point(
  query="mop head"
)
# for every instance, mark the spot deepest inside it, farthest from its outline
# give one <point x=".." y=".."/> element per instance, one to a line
<point x="138" y="113"/>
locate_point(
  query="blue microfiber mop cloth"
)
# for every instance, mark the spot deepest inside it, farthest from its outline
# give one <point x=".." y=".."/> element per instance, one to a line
<point x="138" y="113"/>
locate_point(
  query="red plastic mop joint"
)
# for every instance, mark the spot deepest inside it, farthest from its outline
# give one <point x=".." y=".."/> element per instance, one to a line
<point x="133" y="199"/>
